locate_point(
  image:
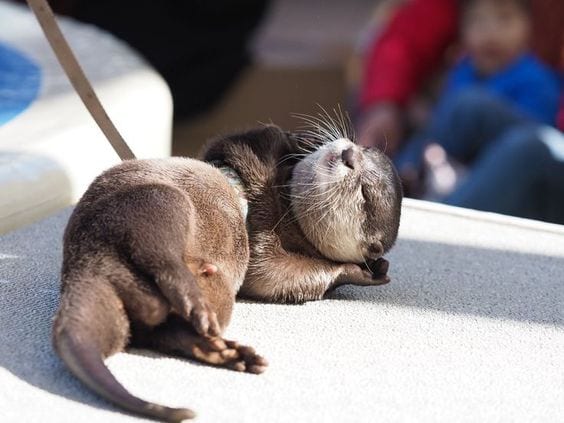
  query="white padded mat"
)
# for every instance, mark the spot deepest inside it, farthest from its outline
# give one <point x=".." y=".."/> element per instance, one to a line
<point x="471" y="329"/>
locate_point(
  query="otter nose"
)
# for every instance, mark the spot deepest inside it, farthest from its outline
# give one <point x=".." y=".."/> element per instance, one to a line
<point x="349" y="157"/>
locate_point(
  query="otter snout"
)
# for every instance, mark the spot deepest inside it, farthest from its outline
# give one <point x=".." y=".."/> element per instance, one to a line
<point x="343" y="152"/>
<point x="348" y="157"/>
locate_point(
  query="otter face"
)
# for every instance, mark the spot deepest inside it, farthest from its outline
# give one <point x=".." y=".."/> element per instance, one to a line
<point x="347" y="201"/>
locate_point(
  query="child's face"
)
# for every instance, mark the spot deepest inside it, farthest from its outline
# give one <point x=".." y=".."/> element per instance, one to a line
<point x="495" y="32"/>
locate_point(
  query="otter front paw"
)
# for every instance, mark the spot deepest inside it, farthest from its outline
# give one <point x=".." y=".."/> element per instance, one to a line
<point x="374" y="272"/>
<point x="379" y="270"/>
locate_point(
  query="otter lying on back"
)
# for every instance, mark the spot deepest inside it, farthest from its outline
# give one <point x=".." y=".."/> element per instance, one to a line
<point x="322" y="212"/>
<point x="156" y="250"/>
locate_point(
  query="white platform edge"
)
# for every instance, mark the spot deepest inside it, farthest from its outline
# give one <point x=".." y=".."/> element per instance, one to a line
<point x="496" y="218"/>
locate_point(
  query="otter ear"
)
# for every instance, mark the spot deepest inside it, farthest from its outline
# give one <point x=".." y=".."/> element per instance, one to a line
<point x="260" y="140"/>
<point x="376" y="250"/>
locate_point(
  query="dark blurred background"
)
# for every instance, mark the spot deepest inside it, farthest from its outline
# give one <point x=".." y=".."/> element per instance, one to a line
<point x="464" y="95"/>
<point x="232" y="64"/>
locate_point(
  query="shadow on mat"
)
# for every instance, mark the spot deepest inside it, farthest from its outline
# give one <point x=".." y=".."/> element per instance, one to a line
<point x="484" y="282"/>
<point x="452" y="279"/>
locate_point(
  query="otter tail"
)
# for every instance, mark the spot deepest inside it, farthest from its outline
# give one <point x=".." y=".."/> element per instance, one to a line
<point x="86" y="363"/>
<point x="88" y="328"/>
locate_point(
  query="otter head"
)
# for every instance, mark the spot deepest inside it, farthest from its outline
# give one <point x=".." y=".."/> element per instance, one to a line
<point x="347" y="201"/>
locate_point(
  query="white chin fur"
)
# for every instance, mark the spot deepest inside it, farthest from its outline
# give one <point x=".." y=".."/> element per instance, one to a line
<point x="335" y="234"/>
<point x="341" y="242"/>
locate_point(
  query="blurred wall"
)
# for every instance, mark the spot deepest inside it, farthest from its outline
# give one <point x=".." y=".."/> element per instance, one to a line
<point x="301" y="53"/>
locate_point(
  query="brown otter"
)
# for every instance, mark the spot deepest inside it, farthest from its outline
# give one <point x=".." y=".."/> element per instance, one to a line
<point x="156" y="250"/>
<point x="322" y="210"/>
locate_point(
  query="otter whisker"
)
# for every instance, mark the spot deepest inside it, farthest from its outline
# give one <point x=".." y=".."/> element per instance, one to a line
<point x="321" y="125"/>
<point x="317" y="183"/>
<point x="315" y="207"/>
<point x="367" y="266"/>
<point x="281" y="218"/>
<point x="310" y="186"/>
<point x="329" y="227"/>
<point x="316" y="124"/>
<point x="339" y="113"/>
<point x="291" y="156"/>
<point x="326" y="126"/>
<point x="340" y="121"/>
<point x="313" y="141"/>
<point x="331" y="122"/>
<point x="310" y="192"/>
<point x="330" y="195"/>
<point x="346" y="122"/>
<point x="307" y="138"/>
<point x="265" y="123"/>
<point x="305" y="195"/>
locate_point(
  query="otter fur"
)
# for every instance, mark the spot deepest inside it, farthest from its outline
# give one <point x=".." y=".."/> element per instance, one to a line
<point x="322" y="211"/>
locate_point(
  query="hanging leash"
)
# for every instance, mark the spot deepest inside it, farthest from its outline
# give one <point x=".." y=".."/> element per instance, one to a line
<point x="74" y="72"/>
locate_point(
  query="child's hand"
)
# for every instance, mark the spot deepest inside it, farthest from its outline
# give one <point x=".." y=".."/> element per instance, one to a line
<point x="381" y="127"/>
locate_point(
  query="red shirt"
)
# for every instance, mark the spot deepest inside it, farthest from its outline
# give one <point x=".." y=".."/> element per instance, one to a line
<point x="414" y="43"/>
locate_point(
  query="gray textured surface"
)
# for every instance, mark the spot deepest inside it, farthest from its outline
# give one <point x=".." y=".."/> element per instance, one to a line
<point x="470" y="329"/>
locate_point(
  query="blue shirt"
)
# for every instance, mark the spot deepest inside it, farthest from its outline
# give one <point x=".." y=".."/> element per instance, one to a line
<point x="527" y="84"/>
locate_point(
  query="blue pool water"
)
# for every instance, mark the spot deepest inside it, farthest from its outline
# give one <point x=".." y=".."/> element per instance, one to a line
<point x="20" y="79"/>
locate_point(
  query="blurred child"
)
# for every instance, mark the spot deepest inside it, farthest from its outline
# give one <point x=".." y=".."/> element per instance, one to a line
<point x="495" y="36"/>
<point x="499" y="72"/>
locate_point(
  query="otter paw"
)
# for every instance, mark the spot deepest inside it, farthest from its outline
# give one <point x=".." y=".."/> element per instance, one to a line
<point x="248" y="361"/>
<point x="362" y="275"/>
<point x="379" y="268"/>
<point x="229" y="354"/>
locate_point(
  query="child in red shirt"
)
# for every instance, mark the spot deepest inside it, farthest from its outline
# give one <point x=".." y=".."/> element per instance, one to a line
<point x="412" y="48"/>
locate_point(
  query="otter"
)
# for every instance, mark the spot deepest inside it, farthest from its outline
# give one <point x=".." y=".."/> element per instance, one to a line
<point x="156" y="251"/>
<point x="322" y="210"/>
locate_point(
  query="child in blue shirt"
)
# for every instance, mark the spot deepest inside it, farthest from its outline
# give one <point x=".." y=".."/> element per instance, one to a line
<point x="529" y="86"/>
<point x="498" y="67"/>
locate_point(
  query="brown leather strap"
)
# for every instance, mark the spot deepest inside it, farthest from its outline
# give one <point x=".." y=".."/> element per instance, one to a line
<point x="74" y="72"/>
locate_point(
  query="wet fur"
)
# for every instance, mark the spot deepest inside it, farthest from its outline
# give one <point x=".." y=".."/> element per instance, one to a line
<point x="157" y="250"/>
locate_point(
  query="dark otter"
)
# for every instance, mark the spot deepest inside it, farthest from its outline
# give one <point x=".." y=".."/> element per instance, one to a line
<point x="156" y="250"/>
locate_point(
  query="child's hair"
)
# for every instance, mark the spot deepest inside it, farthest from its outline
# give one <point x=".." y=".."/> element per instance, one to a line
<point x="523" y="4"/>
